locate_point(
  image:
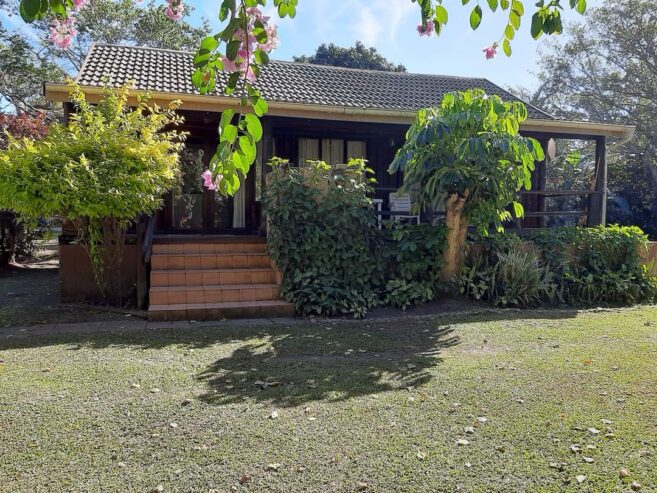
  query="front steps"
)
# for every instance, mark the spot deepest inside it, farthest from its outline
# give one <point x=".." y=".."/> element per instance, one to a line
<point x="226" y="277"/>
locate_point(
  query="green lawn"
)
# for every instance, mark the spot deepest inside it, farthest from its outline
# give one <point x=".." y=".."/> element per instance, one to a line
<point x="337" y="406"/>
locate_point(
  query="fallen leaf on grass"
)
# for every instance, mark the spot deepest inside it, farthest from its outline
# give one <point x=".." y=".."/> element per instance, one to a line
<point x="173" y="425"/>
<point x="273" y="467"/>
<point x="594" y="431"/>
<point x="588" y="460"/>
<point x="273" y="415"/>
<point x="623" y="473"/>
<point x="581" y="478"/>
<point x="462" y="442"/>
<point x="635" y="486"/>
<point x="607" y="422"/>
<point x="482" y="419"/>
<point x="469" y="429"/>
<point x="575" y="449"/>
<point x="362" y="486"/>
<point x="246" y="478"/>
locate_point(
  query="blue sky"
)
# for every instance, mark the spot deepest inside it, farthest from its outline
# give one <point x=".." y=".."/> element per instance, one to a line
<point x="390" y="26"/>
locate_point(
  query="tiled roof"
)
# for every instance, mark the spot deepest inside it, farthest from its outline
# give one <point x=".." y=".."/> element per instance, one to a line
<point x="290" y="82"/>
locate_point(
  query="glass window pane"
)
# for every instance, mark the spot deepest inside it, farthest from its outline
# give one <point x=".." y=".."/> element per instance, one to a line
<point x="188" y="196"/>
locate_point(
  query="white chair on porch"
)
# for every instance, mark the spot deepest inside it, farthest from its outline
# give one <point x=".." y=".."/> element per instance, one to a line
<point x="400" y="207"/>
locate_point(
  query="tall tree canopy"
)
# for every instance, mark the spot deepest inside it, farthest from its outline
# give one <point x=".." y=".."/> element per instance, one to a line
<point x="606" y="70"/>
<point x="26" y="63"/>
<point x="358" y="56"/>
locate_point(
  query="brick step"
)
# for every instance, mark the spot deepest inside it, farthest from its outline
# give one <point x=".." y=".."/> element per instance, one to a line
<point x="220" y="311"/>
<point x="212" y="277"/>
<point x="193" y="261"/>
<point x="205" y="248"/>
<point x="213" y="294"/>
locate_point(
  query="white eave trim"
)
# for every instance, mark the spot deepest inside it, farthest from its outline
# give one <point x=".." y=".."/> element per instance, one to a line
<point x="197" y="102"/>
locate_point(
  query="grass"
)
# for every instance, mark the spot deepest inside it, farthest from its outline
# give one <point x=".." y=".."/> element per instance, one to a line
<point x="364" y="405"/>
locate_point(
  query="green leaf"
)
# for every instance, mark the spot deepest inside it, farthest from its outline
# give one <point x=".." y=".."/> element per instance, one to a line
<point x="248" y="148"/>
<point x="514" y="19"/>
<point x="441" y="14"/>
<point x="226" y="118"/>
<point x="537" y="26"/>
<point x="260" y="106"/>
<point x="493" y="4"/>
<point x="475" y="17"/>
<point x="232" y="49"/>
<point x="506" y="46"/>
<point x="518" y="209"/>
<point x="254" y="127"/>
<point x="29" y="9"/>
<point x="228" y="133"/>
<point x="581" y="6"/>
<point x="509" y="32"/>
<point x="209" y="44"/>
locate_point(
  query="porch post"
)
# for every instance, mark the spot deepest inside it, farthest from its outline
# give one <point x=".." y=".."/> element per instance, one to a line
<point x="267" y="153"/>
<point x="598" y="202"/>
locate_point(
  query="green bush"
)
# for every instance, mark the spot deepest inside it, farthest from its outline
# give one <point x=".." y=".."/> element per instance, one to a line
<point x="577" y="266"/>
<point x="414" y="257"/>
<point x="112" y="162"/>
<point x="514" y="278"/>
<point x="599" y="265"/>
<point x="322" y="235"/>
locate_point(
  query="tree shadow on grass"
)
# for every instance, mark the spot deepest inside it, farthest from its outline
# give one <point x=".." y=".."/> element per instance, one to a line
<point x="327" y="363"/>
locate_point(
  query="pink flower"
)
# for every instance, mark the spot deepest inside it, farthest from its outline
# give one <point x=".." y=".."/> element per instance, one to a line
<point x="491" y="51"/>
<point x="78" y="4"/>
<point x="175" y="10"/>
<point x="207" y="180"/>
<point x="62" y="32"/>
<point x="272" y="39"/>
<point x="426" y="29"/>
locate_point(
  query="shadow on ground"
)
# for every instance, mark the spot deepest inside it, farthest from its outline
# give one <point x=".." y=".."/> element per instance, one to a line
<point x="331" y="363"/>
<point x="294" y="364"/>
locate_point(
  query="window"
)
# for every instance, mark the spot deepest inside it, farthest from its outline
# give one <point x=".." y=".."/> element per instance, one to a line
<point x="331" y="150"/>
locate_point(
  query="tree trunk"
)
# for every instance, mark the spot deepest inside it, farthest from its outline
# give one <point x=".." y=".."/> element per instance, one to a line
<point x="457" y="228"/>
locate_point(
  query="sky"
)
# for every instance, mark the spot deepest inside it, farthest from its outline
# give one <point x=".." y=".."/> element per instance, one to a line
<point x="390" y="26"/>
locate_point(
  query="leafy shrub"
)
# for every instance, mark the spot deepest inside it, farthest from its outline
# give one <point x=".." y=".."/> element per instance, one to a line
<point x="401" y="293"/>
<point x="414" y="256"/>
<point x="516" y="278"/>
<point x="111" y="163"/>
<point x="600" y="265"/>
<point x="322" y="235"/>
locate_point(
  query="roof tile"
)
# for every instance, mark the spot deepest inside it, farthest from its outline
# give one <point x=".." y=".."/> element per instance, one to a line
<point x="287" y="82"/>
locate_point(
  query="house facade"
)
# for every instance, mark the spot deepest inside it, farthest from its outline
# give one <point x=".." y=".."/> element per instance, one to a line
<point x="204" y="255"/>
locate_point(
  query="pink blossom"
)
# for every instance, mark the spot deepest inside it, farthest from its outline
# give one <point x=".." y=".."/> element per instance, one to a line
<point x="491" y="51"/>
<point x="78" y="4"/>
<point x="272" y="39"/>
<point x="175" y="10"/>
<point x="207" y="180"/>
<point x="62" y="32"/>
<point x="426" y="29"/>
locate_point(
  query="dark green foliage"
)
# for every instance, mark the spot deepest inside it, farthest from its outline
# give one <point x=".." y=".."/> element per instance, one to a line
<point x="414" y="256"/>
<point x="516" y="277"/>
<point x="599" y="265"/>
<point x="18" y="239"/>
<point x="358" y="56"/>
<point x="584" y="266"/>
<point x="323" y="237"/>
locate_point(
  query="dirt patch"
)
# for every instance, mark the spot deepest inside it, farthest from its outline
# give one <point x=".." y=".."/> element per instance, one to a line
<point x="29" y="295"/>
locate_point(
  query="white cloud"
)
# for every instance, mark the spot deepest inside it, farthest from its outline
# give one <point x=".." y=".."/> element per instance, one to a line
<point x="379" y="21"/>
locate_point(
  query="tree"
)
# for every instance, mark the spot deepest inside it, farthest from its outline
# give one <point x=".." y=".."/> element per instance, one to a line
<point x="23" y="68"/>
<point x="468" y="155"/>
<point x="606" y="70"/>
<point x="16" y="236"/>
<point x="123" y="22"/>
<point x="109" y="165"/>
<point x="358" y="56"/>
